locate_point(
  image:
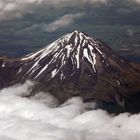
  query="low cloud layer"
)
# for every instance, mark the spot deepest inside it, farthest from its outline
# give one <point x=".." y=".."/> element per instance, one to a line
<point x="38" y="118"/>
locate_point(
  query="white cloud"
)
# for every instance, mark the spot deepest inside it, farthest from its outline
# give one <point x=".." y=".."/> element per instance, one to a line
<point x="34" y="119"/>
<point x="16" y="8"/>
<point x="9" y="7"/>
<point x="63" y="21"/>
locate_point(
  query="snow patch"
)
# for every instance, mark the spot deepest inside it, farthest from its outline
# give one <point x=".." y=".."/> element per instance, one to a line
<point x="54" y="72"/>
<point x="31" y="56"/>
<point x="89" y="58"/>
<point x="3" y="65"/>
<point x="77" y="56"/>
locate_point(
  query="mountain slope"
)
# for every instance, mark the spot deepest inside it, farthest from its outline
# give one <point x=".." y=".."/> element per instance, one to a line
<point x="77" y="65"/>
<point x="71" y="53"/>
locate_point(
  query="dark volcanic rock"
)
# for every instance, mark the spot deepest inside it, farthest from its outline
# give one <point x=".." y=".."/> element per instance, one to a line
<point x="78" y="65"/>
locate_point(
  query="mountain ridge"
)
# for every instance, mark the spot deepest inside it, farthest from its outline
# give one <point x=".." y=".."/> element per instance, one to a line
<point x="77" y="65"/>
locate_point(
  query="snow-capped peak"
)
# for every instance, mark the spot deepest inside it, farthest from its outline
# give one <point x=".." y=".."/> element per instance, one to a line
<point x="75" y="38"/>
<point x="67" y="55"/>
<point x="73" y="44"/>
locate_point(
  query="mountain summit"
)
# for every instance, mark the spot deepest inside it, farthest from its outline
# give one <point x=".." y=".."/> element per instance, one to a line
<point x="72" y="56"/>
<point x="77" y="65"/>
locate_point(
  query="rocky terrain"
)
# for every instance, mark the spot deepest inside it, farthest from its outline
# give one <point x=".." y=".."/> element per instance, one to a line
<point x="78" y="65"/>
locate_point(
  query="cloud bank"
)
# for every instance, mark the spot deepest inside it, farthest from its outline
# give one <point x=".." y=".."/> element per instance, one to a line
<point x="37" y="118"/>
<point x="10" y="9"/>
<point x="17" y="8"/>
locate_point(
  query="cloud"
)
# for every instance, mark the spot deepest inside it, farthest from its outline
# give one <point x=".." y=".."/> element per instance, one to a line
<point x="137" y="1"/>
<point x="124" y="11"/>
<point x="131" y="1"/>
<point x="17" y="8"/>
<point x="130" y="32"/>
<point x="33" y="118"/>
<point x="62" y="3"/>
<point x="63" y="21"/>
<point x="10" y="9"/>
<point x="34" y="27"/>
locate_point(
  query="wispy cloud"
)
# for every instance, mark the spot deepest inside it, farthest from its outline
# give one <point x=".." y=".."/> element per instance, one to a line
<point x="63" y="21"/>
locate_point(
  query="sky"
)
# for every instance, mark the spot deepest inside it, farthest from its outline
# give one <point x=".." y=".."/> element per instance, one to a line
<point x="27" y="25"/>
<point x="14" y="9"/>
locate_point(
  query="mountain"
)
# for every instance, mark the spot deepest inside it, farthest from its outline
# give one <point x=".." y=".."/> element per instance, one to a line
<point x="78" y="65"/>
